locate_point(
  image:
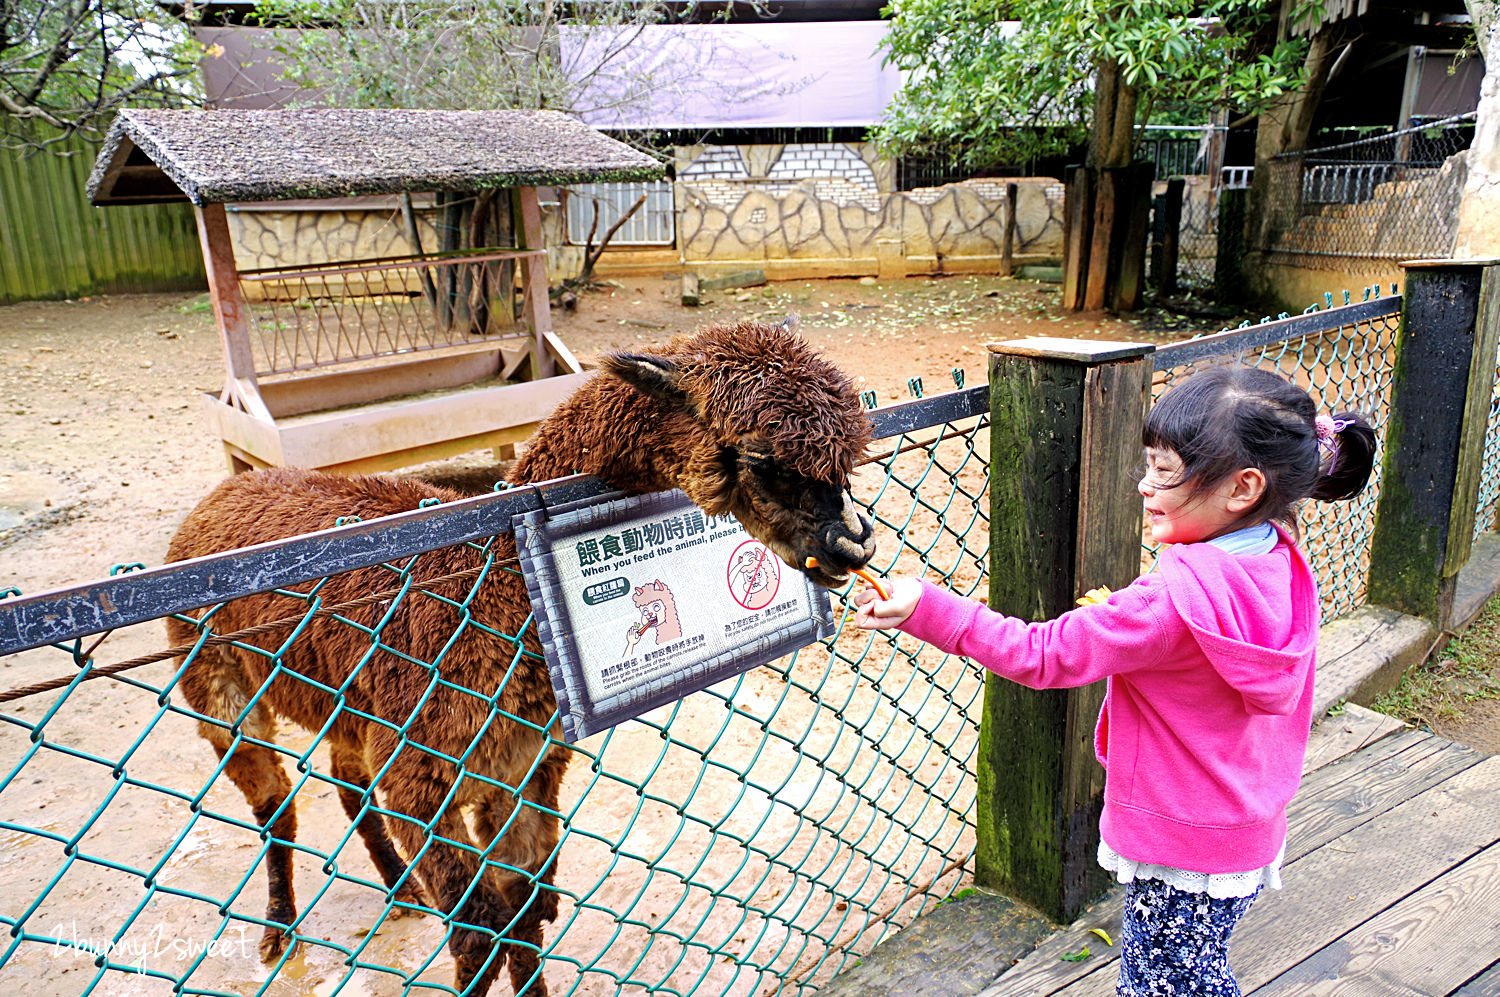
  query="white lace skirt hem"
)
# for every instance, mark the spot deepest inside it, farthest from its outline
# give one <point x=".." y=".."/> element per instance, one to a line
<point x="1219" y="885"/>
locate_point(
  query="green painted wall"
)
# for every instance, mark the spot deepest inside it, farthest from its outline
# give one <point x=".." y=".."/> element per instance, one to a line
<point x="54" y="244"/>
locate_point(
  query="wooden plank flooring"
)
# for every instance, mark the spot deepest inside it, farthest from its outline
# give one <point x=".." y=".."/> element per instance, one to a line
<point x="1392" y="881"/>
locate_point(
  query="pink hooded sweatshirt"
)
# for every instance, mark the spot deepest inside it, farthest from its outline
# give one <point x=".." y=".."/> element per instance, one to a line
<point x="1209" y="702"/>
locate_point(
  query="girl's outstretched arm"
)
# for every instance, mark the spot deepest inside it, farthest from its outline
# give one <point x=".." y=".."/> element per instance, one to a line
<point x="1122" y="633"/>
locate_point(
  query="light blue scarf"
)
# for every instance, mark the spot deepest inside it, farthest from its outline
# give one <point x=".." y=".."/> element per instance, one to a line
<point x="1258" y="539"/>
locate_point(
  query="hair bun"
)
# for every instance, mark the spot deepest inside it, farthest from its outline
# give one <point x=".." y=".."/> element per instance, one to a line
<point x="1347" y="445"/>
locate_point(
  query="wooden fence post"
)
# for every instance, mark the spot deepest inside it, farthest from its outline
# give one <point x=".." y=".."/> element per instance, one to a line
<point x="1066" y="434"/>
<point x="1171" y="236"/>
<point x="1434" y="443"/>
<point x="1229" y="251"/>
<point x="1008" y="247"/>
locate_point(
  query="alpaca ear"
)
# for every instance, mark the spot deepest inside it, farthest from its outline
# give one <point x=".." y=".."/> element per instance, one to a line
<point x="653" y="376"/>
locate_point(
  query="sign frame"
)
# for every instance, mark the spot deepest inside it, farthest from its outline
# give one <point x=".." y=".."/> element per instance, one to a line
<point x="544" y="536"/>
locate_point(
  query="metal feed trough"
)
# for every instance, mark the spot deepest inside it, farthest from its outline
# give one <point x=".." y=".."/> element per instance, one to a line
<point x="372" y="364"/>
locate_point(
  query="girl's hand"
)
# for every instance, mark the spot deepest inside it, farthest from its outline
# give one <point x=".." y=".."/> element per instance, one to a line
<point x="875" y="613"/>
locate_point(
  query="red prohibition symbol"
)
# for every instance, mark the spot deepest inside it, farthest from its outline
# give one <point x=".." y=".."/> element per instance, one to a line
<point x="753" y="574"/>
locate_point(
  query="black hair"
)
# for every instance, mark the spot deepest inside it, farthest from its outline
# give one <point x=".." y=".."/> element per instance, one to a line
<point x="1227" y="418"/>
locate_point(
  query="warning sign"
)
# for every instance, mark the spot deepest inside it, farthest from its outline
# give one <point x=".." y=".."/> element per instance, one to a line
<point x="641" y="600"/>
<point x="753" y="575"/>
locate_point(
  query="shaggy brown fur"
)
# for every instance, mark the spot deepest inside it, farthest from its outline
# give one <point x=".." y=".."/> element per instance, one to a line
<point x="746" y="419"/>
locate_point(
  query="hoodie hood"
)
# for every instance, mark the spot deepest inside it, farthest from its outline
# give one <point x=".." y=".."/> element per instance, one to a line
<point x="1253" y="616"/>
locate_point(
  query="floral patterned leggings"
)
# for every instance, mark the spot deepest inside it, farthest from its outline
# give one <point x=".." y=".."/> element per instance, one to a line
<point x="1175" y="943"/>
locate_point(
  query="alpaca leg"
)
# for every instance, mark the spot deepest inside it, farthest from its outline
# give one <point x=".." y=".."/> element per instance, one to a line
<point x="448" y="873"/>
<point x="349" y="767"/>
<point x="528" y="838"/>
<point x="258" y="773"/>
<point x="215" y="687"/>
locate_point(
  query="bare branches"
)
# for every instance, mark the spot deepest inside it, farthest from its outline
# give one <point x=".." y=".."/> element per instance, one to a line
<point x="67" y="65"/>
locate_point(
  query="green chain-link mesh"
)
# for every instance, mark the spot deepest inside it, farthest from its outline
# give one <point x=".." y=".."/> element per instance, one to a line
<point x="756" y="837"/>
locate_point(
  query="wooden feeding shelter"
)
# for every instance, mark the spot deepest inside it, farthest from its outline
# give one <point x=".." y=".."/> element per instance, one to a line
<point x="369" y="364"/>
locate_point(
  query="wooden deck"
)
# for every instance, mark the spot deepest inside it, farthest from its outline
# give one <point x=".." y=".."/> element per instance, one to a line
<point x="1392" y="881"/>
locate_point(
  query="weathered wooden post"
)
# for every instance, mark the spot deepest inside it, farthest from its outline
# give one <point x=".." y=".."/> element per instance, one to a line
<point x="1008" y="246"/>
<point x="1229" y="252"/>
<point x="1434" y="442"/>
<point x="1171" y="236"/>
<point x="1065" y="518"/>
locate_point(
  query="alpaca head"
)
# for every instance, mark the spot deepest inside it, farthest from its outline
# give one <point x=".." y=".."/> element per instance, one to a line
<point x="762" y="428"/>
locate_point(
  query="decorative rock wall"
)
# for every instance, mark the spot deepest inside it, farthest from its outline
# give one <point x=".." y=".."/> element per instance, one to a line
<point x="830" y="207"/>
<point x="293" y="232"/>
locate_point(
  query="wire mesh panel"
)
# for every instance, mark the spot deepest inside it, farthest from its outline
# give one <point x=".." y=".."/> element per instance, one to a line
<point x="1380" y="198"/>
<point x="1344" y="357"/>
<point x="313" y="315"/>
<point x="758" y="836"/>
<point x="1198" y="238"/>
<point x="1489" y="472"/>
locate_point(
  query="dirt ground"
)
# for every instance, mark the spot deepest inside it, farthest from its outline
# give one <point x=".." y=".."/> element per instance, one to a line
<point x="105" y="446"/>
<point x="106" y="450"/>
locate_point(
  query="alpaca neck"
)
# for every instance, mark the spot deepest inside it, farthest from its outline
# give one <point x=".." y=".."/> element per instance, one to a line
<point x="606" y="429"/>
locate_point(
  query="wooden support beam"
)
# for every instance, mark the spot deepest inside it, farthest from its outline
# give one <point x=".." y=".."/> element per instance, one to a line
<point x="1171" y="244"/>
<point x="1008" y="246"/>
<point x="1077" y="233"/>
<point x="1066" y="430"/>
<point x="1434" y="445"/>
<point x="536" y="309"/>
<point x="229" y="308"/>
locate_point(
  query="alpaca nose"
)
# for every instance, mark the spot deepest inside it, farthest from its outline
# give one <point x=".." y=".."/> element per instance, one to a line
<point x="851" y="539"/>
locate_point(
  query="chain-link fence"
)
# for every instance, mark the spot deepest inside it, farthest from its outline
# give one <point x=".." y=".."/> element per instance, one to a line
<point x="1381" y="198"/>
<point x="756" y="836"/>
<point x="1487" y="515"/>
<point x="1344" y="357"/>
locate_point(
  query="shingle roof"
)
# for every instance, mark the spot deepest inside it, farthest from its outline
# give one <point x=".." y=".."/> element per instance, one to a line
<point x="233" y="155"/>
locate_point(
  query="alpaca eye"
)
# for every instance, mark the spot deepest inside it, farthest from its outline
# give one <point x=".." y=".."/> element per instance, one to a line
<point x="771" y="470"/>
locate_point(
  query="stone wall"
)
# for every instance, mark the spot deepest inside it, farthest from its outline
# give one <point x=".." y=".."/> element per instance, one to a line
<point x="1337" y="247"/>
<point x="796" y="210"/>
<point x="829" y="209"/>
<point x="358" y="228"/>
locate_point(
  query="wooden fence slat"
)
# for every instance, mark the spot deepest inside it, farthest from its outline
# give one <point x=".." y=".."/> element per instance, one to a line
<point x="1429" y="943"/>
<point x="20" y="246"/>
<point x="14" y="263"/>
<point x="54" y="244"/>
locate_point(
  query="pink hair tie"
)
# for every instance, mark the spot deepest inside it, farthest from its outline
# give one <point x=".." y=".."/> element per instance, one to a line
<point x="1328" y="429"/>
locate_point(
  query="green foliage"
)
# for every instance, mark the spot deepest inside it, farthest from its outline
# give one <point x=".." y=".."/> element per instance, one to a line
<point x="1010" y="79"/>
<point x="66" y="66"/>
<point x="466" y="54"/>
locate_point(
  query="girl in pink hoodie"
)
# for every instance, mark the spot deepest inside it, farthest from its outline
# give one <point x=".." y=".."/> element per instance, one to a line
<point x="1208" y="660"/>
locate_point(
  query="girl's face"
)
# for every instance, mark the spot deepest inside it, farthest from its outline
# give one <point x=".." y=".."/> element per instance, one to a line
<point x="1179" y="514"/>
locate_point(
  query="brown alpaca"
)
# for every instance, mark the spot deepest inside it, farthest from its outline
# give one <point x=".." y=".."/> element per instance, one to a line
<point x="746" y="419"/>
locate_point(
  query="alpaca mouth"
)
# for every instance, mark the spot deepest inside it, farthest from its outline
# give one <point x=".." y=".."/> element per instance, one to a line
<point x="646" y="624"/>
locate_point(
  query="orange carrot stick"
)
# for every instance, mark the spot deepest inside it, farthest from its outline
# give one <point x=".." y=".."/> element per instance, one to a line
<point x="812" y="562"/>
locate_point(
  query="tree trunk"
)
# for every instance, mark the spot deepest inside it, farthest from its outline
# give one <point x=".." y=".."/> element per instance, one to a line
<point x="1479" y="212"/>
<point x="1276" y="185"/>
<point x="1105" y="245"/>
